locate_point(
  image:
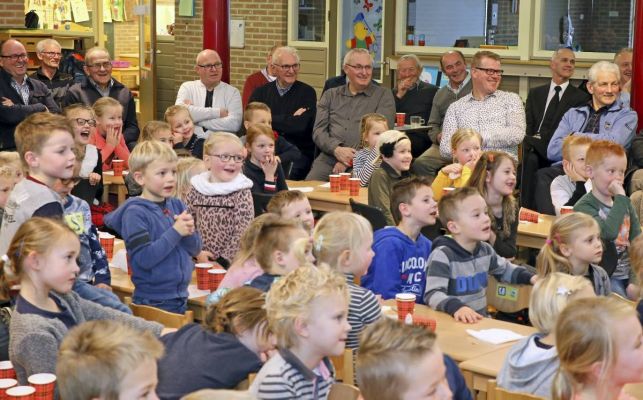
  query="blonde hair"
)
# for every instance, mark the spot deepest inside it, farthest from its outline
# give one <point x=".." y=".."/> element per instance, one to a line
<point x="216" y="138"/>
<point x="70" y="109"/>
<point x="487" y="165"/>
<point x="147" y="152"/>
<point x="172" y="111"/>
<point x="282" y="199"/>
<point x="7" y="172"/>
<point x="248" y="238"/>
<point x="573" y="141"/>
<point x="34" y="131"/>
<point x="463" y="134"/>
<point x="255" y="106"/>
<point x="586" y="334"/>
<point x="339" y="231"/>
<point x="12" y="161"/>
<point x="388" y="141"/>
<point x="183" y="168"/>
<point x="449" y="205"/>
<point x="387" y="349"/>
<point x="151" y="128"/>
<point x="96" y="356"/>
<point x="219" y="394"/>
<point x="636" y="256"/>
<point x="562" y="231"/>
<point x="549" y="297"/>
<point x="239" y="310"/>
<point x="101" y="105"/>
<point x="291" y="297"/>
<point x="366" y="123"/>
<point x="601" y="149"/>
<point x="275" y="234"/>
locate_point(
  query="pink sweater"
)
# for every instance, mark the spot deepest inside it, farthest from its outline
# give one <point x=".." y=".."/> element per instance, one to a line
<point x="109" y="152"/>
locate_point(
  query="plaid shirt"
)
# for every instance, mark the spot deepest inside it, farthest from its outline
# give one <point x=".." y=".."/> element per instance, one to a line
<point x="22" y="89"/>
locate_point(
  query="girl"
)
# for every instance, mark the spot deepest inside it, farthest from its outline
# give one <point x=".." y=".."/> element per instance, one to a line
<point x="157" y="130"/>
<point x="495" y="178"/>
<point x="599" y="348"/>
<point x="220" y="199"/>
<point x="574" y="247"/>
<point x="531" y="364"/>
<point x="262" y="166"/>
<point x="395" y="149"/>
<point x="366" y="159"/>
<point x="108" y="136"/>
<point x="180" y="121"/>
<point x="186" y="168"/>
<point x="343" y="240"/>
<point x="43" y="255"/>
<point x="234" y="333"/>
<point x="465" y="148"/>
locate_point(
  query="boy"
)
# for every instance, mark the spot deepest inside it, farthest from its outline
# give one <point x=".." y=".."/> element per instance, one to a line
<point x="612" y="209"/>
<point x="401" y="252"/>
<point x="292" y="204"/>
<point x="461" y="262"/>
<point x="107" y="360"/>
<point x="567" y="189"/>
<point x="307" y="313"/>
<point x="45" y="143"/>
<point x="180" y="121"/>
<point x="159" y="234"/>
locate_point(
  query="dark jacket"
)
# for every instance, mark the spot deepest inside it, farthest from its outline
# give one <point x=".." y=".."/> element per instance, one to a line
<point x="59" y="84"/>
<point x="417" y="101"/>
<point x="259" y="182"/>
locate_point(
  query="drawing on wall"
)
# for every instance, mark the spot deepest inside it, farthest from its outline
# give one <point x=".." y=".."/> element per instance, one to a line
<point x="362" y="26"/>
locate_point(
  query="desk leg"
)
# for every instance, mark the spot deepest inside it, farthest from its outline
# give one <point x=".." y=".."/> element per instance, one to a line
<point x="468" y="380"/>
<point x="122" y="192"/>
<point x="105" y="193"/>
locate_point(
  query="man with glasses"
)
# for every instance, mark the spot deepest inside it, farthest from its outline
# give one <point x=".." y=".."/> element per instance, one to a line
<point x="214" y="105"/>
<point x="100" y="83"/>
<point x="497" y="115"/>
<point x="49" y="52"/>
<point x="20" y="96"/>
<point x="293" y="107"/>
<point x="339" y="111"/>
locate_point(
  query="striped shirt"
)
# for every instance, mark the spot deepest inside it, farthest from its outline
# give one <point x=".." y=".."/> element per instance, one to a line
<point x="285" y="377"/>
<point x="366" y="161"/>
<point x="363" y="309"/>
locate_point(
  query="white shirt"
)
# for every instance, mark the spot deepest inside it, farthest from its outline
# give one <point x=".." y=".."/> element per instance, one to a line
<point x="550" y="95"/>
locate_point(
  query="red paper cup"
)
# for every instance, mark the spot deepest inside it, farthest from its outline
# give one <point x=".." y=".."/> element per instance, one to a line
<point x="343" y="180"/>
<point x="107" y="242"/>
<point x="202" y="279"/>
<point x="405" y="305"/>
<point x="447" y="190"/>
<point x="335" y="184"/>
<point x="21" y="392"/>
<point x="6" y="384"/>
<point x="528" y="215"/>
<point x="6" y="370"/>
<point x="428" y="323"/>
<point x="400" y="119"/>
<point x="215" y="276"/>
<point x="44" y="385"/>
<point x="353" y="186"/>
<point x="117" y="166"/>
<point x="566" y="210"/>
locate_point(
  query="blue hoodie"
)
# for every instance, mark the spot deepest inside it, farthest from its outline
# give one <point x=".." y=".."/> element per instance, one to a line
<point x="161" y="259"/>
<point x="399" y="265"/>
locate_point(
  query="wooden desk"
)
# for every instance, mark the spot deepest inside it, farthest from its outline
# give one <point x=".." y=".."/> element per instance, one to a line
<point x="477" y="371"/>
<point x="534" y="235"/>
<point x="116" y="184"/>
<point x="635" y="390"/>
<point x="322" y="199"/>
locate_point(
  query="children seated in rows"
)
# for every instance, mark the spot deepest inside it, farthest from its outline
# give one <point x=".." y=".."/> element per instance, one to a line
<point x="465" y="148"/>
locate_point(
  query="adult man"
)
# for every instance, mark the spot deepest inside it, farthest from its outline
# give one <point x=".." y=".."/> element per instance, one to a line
<point x="454" y="66"/>
<point x="259" y="78"/>
<point x="336" y="129"/>
<point x="49" y="53"/>
<point x="293" y="107"/>
<point x="498" y="116"/>
<point x="623" y="58"/>
<point x="20" y="96"/>
<point x="213" y="105"/>
<point x="98" y="68"/>
<point x="413" y="97"/>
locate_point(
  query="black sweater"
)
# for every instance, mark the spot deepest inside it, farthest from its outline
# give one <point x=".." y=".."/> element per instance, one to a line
<point x="259" y="182"/>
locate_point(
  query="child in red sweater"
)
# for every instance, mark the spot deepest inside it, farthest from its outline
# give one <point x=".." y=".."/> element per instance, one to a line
<point x="108" y="137"/>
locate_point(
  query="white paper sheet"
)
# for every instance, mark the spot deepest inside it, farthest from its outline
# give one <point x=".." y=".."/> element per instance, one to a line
<point x="495" y="335"/>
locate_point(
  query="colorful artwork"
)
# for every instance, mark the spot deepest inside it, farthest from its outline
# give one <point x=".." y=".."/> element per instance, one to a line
<point x="362" y="26"/>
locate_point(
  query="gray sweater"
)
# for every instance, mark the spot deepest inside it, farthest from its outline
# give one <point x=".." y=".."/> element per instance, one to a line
<point x="34" y="339"/>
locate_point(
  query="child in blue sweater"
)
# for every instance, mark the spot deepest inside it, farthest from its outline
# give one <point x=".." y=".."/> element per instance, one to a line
<point x="159" y="234"/>
<point x="401" y="252"/>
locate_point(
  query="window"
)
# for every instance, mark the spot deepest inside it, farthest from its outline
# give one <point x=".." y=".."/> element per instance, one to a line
<point x="310" y="20"/>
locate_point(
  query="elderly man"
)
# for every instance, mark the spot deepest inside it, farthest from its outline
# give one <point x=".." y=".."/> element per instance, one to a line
<point x="49" y="53"/>
<point x="98" y="68"/>
<point x="336" y="129"/>
<point x="454" y="66"/>
<point x="623" y="58"/>
<point x="20" y="96"/>
<point x="259" y="78"/>
<point x="498" y="116"/>
<point x="293" y="106"/>
<point x="213" y="105"/>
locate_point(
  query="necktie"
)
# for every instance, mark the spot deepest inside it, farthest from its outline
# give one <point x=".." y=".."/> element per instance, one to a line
<point x="550" y="113"/>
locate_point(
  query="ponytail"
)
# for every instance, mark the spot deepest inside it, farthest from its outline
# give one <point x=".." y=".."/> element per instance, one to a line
<point x="561" y="388"/>
<point x="551" y="260"/>
<point x="238" y="310"/>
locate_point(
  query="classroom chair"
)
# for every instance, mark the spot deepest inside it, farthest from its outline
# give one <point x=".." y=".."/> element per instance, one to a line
<point x="496" y="393"/>
<point x="343" y="391"/>
<point x="344" y="367"/>
<point x="168" y="319"/>
<point x="373" y="214"/>
<point x="245" y="384"/>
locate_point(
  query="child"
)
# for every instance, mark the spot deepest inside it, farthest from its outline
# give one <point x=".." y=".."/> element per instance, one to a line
<point x="7" y="182"/>
<point x="599" y="347"/>
<point x="495" y="178"/>
<point x="261" y="166"/>
<point x="220" y="198"/>
<point x="343" y="241"/>
<point x="107" y="359"/>
<point x="12" y="160"/>
<point x="307" y="313"/>
<point x="275" y="250"/>
<point x="567" y="189"/>
<point x="465" y="148"/>
<point x="387" y="351"/>
<point x="531" y="364"/>
<point x="612" y="209"/>
<point x="367" y="159"/>
<point x="182" y="126"/>
<point x="401" y="252"/>
<point x="108" y="136"/>
<point x="43" y="255"/>
<point x="636" y="262"/>
<point x="186" y="168"/>
<point x="292" y="204"/>
<point x="159" y="233"/>
<point x="460" y="263"/>
<point x="574" y="247"/>
<point x="395" y="149"/>
<point x="45" y="143"/>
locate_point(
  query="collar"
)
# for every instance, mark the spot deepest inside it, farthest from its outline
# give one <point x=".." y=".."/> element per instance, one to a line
<point x="393" y="173"/>
<point x="281" y="89"/>
<point x="368" y="91"/>
<point x="461" y="85"/>
<point x="25" y="81"/>
<point x="264" y="72"/>
<point x="296" y="363"/>
<point x="31" y="178"/>
<point x="471" y="98"/>
<point x="40" y="74"/>
<point x="101" y="90"/>
<point x="563" y="86"/>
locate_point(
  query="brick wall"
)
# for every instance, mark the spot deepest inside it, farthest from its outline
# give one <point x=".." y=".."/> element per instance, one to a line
<point x="126" y="37"/>
<point x="598" y="30"/>
<point x="507" y="29"/>
<point x="188" y="42"/>
<point x="12" y="14"/>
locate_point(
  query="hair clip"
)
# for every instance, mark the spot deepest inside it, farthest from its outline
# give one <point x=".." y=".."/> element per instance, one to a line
<point x="548" y="241"/>
<point x="5" y="258"/>
<point x="490" y="157"/>
<point x="563" y="291"/>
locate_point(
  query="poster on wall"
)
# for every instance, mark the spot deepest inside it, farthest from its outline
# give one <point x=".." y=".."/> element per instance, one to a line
<point x="79" y="10"/>
<point x="107" y="11"/>
<point x="362" y="28"/>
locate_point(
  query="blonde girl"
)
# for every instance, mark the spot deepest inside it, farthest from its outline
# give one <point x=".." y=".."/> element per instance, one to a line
<point x="343" y="240"/>
<point x="157" y="130"/>
<point x="42" y="255"/>
<point x="108" y="136"/>
<point x="11" y="159"/>
<point x="186" y="168"/>
<point x="465" y="148"/>
<point x="574" y="247"/>
<point x="600" y="348"/>
<point x="262" y="166"/>
<point x="367" y="159"/>
<point x="531" y="364"/>
<point x="180" y="121"/>
<point x="495" y="178"/>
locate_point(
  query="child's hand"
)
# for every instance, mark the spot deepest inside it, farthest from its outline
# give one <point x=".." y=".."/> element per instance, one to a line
<point x="472" y="164"/>
<point x="570" y="171"/>
<point x="184" y="224"/>
<point x="452" y="169"/>
<point x="94" y="178"/>
<point x="113" y="136"/>
<point x="467" y="315"/>
<point x="300" y="111"/>
<point x="344" y="155"/>
<point x="633" y="291"/>
<point x="616" y="187"/>
<point x="165" y="331"/>
<point x="205" y="256"/>
<point x="269" y="167"/>
<point x="339" y="168"/>
<point x="533" y="279"/>
<point x="104" y="287"/>
<point x="177" y="137"/>
<point x="7" y="102"/>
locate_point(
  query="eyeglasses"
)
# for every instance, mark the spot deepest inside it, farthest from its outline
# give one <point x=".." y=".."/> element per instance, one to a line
<point x="358" y="67"/>
<point x="491" y="71"/>
<point x="73" y="180"/>
<point x="286" y="67"/>
<point x="16" y="57"/>
<point x="82" y="121"/>
<point x="227" y="157"/>
<point x="52" y="54"/>
<point x="102" y="65"/>
<point x="211" y="66"/>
